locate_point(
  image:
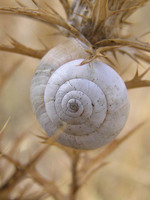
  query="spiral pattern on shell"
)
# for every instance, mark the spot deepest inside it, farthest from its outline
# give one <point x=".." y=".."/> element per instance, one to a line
<point x="91" y="98"/>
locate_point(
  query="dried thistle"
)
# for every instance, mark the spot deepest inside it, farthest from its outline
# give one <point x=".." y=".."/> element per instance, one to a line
<point x="100" y="25"/>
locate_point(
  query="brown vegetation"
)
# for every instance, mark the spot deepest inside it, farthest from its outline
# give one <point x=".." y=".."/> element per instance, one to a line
<point x="32" y="167"/>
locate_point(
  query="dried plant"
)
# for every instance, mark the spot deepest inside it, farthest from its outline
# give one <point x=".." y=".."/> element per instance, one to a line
<point x="100" y="24"/>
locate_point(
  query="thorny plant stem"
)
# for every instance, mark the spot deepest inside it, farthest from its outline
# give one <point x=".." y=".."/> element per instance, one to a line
<point x="22" y="170"/>
<point x="74" y="185"/>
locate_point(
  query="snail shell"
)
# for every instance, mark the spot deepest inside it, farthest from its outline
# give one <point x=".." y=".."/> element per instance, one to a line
<point x="91" y="98"/>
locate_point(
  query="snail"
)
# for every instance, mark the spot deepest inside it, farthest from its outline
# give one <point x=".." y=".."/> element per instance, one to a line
<point x="91" y="98"/>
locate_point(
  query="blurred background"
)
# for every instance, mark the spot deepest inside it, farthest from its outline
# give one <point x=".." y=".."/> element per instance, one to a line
<point x="127" y="174"/>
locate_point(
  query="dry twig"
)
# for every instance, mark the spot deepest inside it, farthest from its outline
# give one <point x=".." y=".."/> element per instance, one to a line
<point x="96" y="163"/>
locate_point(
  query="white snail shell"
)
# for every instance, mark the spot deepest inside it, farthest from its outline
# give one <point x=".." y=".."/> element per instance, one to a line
<point x="91" y="98"/>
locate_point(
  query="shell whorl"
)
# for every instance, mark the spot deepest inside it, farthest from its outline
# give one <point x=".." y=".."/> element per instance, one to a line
<point x="91" y="98"/>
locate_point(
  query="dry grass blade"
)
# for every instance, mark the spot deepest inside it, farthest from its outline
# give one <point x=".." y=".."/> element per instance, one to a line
<point x="35" y="14"/>
<point x="35" y="3"/>
<point x="99" y="13"/>
<point x="97" y="162"/>
<point x="112" y="64"/>
<point x="44" y="139"/>
<point x="107" y="48"/>
<point x="142" y="56"/>
<point x="131" y="55"/>
<point x="52" y="10"/>
<point x="138" y="5"/>
<point x="66" y="6"/>
<point x="84" y="17"/>
<point x="143" y="74"/>
<point x="90" y="5"/>
<point x="21" y="4"/>
<point x="124" y="42"/>
<point x="144" y="34"/>
<point x="4" y="127"/>
<point x="114" y="53"/>
<point x="127" y="11"/>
